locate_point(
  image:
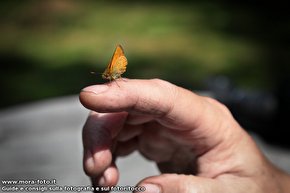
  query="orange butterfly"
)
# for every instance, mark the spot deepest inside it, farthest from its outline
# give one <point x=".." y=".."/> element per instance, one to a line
<point x="117" y="65"/>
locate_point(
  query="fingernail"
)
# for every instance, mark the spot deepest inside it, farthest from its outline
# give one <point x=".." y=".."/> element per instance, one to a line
<point x="96" y="89"/>
<point x="151" y="188"/>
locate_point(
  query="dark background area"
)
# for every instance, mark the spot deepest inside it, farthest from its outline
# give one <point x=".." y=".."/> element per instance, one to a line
<point x="49" y="48"/>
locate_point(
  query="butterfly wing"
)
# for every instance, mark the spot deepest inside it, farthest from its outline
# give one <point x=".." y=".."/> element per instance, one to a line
<point x="117" y="65"/>
<point x="117" y="54"/>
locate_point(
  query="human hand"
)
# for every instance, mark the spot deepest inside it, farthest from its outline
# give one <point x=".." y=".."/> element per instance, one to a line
<point x="193" y="138"/>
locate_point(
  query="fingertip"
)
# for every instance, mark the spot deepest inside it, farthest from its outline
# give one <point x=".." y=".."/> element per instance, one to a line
<point x="88" y="95"/>
<point x="151" y="185"/>
<point x="177" y="183"/>
<point x="88" y="163"/>
<point x="96" y="163"/>
<point x="83" y="99"/>
<point x="151" y="188"/>
<point x="167" y="183"/>
<point x="110" y="176"/>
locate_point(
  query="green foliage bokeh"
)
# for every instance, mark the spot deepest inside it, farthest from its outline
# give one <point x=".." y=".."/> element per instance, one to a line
<point x="49" y="48"/>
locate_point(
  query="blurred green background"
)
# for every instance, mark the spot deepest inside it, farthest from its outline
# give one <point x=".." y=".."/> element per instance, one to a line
<point x="49" y="48"/>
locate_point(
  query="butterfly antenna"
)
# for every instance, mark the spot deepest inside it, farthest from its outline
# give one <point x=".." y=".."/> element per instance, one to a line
<point x="94" y="73"/>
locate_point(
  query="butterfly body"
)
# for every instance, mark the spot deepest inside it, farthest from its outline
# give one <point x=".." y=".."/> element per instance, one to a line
<point x="117" y="65"/>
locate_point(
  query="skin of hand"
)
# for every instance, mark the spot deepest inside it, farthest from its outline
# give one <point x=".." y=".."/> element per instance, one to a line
<point x="195" y="141"/>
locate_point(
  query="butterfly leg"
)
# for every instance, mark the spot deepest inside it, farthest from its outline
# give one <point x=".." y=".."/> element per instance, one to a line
<point x="117" y="83"/>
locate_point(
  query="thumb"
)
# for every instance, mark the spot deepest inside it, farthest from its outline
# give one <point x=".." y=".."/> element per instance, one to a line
<point x="175" y="183"/>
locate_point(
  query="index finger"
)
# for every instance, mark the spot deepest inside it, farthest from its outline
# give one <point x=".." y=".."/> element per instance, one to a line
<point x="174" y="107"/>
<point x="159" y="99"/>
